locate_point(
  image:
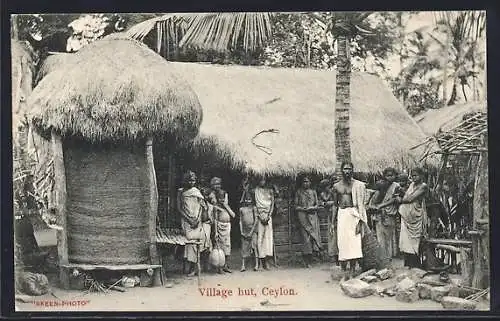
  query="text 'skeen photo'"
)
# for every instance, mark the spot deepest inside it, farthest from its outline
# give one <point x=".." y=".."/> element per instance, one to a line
<point x="263" y="161"/>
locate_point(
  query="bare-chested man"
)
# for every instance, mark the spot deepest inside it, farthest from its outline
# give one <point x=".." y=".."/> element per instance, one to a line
<point x="349" y="196"/>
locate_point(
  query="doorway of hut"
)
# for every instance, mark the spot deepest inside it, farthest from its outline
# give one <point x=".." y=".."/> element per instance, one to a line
<point x="170" y="168"/>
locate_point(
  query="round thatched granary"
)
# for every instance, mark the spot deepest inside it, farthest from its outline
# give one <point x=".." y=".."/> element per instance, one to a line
<point x="102" y="112"/>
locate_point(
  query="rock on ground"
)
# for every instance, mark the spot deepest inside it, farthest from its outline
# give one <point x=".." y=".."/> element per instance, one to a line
<point x="438" y="292"/>
<point x="402" y="276"/>
<point x="378" y="289"/>
<point x="454" y="303"/>
<point x="405" y="284"/>
<point x="355" y="288"/>
<point x="366" y="273"/>
<point x="385" y="274"/>
<point x="406" y="291"/>
<point x="409" y="295"/>
<point x="432" y="280"/>
<point x="369" y="278"/>
<point x="424" y="290"/>
<point x="418" y="273"/>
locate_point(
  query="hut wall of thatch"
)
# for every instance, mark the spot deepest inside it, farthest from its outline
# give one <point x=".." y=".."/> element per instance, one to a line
<point x="102" y="112"/>
<point x="107" y="207"/>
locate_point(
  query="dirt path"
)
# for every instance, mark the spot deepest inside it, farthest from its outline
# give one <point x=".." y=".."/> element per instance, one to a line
<point x="302" y="289"/>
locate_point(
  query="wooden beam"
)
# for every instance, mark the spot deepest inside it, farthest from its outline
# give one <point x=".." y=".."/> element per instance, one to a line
<point x="153" y="201"/>
<point x="60" y="206"/>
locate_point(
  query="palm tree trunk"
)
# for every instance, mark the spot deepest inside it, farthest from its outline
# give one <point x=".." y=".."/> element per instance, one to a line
<point x="342" y="103"/>
<point x="445" y="65"/>
<point x="453" y="96"/>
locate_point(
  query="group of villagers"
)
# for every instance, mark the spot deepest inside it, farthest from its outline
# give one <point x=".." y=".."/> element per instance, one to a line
<point x="398" y="207"/>
<point x="206" y="216"/>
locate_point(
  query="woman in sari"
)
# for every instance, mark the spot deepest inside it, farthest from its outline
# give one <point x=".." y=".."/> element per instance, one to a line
<point x="413" y="219"/>
<point x="306" y="205"/>
<point x="191" y="205"/>
<point x="264" y="203"/>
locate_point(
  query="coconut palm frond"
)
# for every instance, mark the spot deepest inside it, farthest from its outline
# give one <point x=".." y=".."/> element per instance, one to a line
<point x="166" y="26"/>
<point x="221" y="31"/>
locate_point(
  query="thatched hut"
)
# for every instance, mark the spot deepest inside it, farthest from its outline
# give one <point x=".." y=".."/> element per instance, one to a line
<point x="462" y="140"/>
<point x="102" y="111"/>
<point x="242" y="105"/>
<point x="442" y="119"/>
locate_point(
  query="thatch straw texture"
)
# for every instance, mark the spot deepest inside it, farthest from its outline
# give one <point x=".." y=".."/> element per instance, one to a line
<point x="23" y="64"/>
<point x="115" y="89"/>
<point x="447" y="117"/>
<point x="51" y="63"/>
<point x="107" y="207"/>
<point x="239" y="102"/>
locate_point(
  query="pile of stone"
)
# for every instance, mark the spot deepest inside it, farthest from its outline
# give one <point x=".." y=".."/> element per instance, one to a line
<point x="409" y="287"/>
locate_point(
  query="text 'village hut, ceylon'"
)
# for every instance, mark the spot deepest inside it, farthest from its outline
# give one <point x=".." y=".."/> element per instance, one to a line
<point x="102" y="112"/>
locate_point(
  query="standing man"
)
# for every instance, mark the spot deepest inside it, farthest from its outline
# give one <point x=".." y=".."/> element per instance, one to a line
<point x="388" y="211"/>
<point x="351" y="214"/>
<point x="222" y="216"/>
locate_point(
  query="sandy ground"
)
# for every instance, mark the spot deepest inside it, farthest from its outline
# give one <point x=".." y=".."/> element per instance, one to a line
<point x="308" y="289"/>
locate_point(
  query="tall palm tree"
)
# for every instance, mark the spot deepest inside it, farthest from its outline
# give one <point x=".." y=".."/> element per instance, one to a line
<point x="463" y="30"/>
<point x="221" y="31"/>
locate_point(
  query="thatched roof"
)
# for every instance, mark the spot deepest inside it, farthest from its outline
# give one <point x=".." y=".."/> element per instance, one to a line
<point x="447" y="117"/>
<point x="113" y="89"/>
<point x="239" y="102"/>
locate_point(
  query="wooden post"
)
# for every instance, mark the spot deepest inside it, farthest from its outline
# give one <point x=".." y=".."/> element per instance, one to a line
<point x="60" y="206"/>
<point x="290" y="210"/>
<point x="172" y="193"/>
<point x="153" y="202"/>
<point x="480" y="223"/>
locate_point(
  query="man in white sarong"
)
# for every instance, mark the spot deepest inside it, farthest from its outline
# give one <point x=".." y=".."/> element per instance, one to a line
<point x="264" y="203"/>
<point x="222" y="216"/>
<point x="191" y="205"/>
<point x="349" y="198"/>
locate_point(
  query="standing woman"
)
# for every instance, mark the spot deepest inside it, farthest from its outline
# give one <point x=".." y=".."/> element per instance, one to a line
<point x="222" y="217"/>
<point x="191" y="204"/>
<point x="306" y="205"/>
<point x="413" y="218"/>
<point x="264" y="203"/>
<point x="326" y="200"/>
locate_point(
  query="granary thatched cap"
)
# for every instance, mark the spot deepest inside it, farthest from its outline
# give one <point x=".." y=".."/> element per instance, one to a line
<point x="115" y="89"/>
